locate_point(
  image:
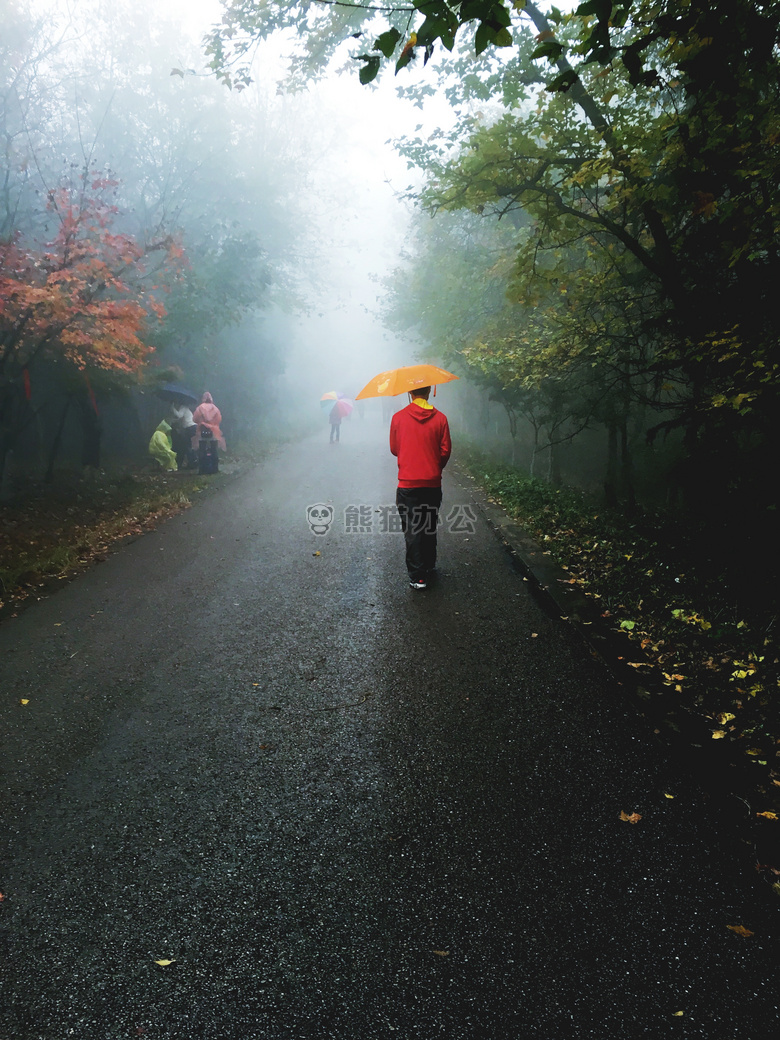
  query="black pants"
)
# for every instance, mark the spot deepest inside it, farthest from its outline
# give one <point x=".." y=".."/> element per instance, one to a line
<point x="181" y="442"/>
<point x="419" y="512"/>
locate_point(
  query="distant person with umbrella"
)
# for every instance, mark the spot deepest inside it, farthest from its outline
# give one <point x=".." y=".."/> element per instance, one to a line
<point x="182" y="425"/>
<point x="339" y="407"/>
<point x="420" y="440"/>
<point x="183" y="429"/>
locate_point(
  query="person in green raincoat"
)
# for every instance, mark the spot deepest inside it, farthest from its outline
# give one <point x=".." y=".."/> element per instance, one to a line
<point x="161" y="447"/>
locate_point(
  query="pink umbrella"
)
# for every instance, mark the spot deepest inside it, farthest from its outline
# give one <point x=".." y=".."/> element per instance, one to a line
<point x="343" y="407"/>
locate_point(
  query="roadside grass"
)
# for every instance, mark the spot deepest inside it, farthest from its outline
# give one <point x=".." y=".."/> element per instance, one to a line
<point x="712" y="649"/>
<point x="50" y="532"/>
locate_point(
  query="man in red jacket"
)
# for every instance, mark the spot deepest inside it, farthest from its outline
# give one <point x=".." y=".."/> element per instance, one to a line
<point x="420" y="440"/>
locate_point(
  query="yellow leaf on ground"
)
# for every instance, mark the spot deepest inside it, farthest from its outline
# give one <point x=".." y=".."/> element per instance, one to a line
<point x="633" y="817"/>
<point x="24" y="700"/>
<point x="767" y="815"/>
<point x="668" y="795"/>
<point x="724" y="717"/>
<point x="164" y="963"/>
<point x="678" y="1014"/>
<point x="740" y="930"/>
<point x="442" y="953"/>
<point x="718" y="734"/>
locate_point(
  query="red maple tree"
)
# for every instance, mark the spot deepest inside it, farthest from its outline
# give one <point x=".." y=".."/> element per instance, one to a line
<point x="81" y="297"/>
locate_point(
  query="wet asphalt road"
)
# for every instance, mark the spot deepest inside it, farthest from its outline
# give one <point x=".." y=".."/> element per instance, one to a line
<point x="345" y="809"/>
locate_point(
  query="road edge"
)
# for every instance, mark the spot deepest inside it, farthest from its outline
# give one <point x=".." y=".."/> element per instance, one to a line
<point x="734" y="788"/>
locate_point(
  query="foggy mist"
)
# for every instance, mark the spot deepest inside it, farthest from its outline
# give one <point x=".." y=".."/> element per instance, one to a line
<point x="301" y="231"/>
<point x="309" y="175"/>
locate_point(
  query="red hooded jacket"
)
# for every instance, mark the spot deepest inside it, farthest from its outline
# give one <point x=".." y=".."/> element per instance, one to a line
<point x="420" y="440"/>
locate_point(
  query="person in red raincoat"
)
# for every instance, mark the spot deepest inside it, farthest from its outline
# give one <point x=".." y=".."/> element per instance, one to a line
<point x="208" y="416"/>
<point x="420" y="440"/>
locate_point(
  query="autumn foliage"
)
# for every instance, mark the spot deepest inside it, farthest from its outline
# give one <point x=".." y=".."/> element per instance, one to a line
<point x="80" y="296"/>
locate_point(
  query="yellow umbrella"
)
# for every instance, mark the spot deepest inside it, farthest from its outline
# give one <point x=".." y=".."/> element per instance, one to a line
<point x="401" y="380"/>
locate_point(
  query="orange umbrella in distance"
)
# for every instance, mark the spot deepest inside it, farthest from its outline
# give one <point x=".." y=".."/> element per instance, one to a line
<point x="401" y="380"/>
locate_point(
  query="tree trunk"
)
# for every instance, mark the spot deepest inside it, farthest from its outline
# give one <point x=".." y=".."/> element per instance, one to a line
<point x="534" y="452"/>
<point x="5" y="448"/>
<point x="610" y="477"/>
<point x="56" y="443"/>
<point x="627" y="492"/>
<point x="554" y="465"/>
<point x="91" y="431"/>
<point x="484" y="412"/>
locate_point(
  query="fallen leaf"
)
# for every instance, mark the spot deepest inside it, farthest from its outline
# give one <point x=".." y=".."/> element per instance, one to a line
<point x="678" y="1014"/>
<point x="630" y="818"/>
<point x="164" y="964"/>
<point x="668" y="795"/>
<point x="767" y="815"/>
<point x="24" y="700"/>
<point x="534" y="635"/>
<point x="442" y="953"/>
<point x="740" y="930"/>
<point x="724" y="717"/>
<point x="718" y="734"/>
<point x="317" y="554"/>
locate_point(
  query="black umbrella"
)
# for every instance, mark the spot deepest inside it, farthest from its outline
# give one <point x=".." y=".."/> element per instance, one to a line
<point x="176" y="393"/>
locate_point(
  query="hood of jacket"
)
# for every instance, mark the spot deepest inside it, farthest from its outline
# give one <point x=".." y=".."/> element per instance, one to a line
<point x="420" y="414"/>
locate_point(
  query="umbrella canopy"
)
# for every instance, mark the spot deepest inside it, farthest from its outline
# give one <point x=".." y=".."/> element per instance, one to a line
<point x="401" y="380"/>
<point x="329" y="399"/>
<point x="343" y="407"/>
<point x="176" y="393"/>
